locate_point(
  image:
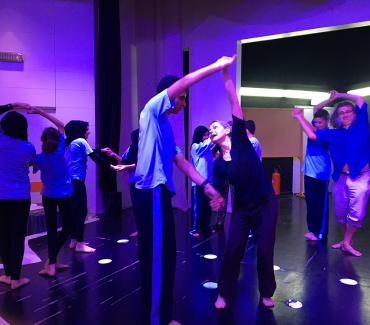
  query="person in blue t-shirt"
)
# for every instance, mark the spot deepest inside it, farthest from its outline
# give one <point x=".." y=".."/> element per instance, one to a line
<point x="349" y="149"/>
<point x="254" y="206"/>
<point x="316" y="170"/>
<point x="154" y="190"/>
<point x="76" y="152"/>
<point x="56" y="190"/>
<point x="17" y="154"/>
<point x="202" y="159"/>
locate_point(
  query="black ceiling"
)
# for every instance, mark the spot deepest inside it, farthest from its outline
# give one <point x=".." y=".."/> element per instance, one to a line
<point x="331" y="60"/>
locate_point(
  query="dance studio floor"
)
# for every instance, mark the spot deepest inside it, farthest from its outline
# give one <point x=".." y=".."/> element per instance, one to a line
<point x="93" y="293"/>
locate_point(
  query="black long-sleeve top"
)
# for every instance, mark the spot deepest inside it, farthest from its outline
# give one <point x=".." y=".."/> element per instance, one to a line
<point x="245" y="171"/>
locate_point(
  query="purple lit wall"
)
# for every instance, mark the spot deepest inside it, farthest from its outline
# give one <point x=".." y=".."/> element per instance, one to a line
<point x="57" y="39"/>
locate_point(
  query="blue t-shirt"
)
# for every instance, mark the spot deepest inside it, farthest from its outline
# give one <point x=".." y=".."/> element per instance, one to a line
<point x="157" y="147"/>
<point x="56" y="182"/>
<point x="76" y="157"/>
<point x="16" y="157"/>
<point x="348" y="146"/>
<point x="201" y="154"/>
<point x="317" y="161"/>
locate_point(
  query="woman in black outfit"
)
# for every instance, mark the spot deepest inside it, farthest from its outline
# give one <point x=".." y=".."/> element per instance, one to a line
<point x="254" y="205"/>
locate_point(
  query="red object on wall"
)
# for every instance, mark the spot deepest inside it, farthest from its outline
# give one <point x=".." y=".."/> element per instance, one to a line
<point x="276" y="182"/>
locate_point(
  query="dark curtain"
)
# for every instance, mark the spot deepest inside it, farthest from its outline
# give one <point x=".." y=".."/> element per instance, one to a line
<point x="107" y="86"/>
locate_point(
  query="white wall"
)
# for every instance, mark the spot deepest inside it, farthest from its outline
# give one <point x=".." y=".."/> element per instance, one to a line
<point x="57" y="39"/>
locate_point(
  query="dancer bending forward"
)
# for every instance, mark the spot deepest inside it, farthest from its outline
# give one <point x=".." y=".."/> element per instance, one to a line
<point x="254" y="205"/>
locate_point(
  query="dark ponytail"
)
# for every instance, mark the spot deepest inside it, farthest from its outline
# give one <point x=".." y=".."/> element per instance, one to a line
<point x="50" y="140"/>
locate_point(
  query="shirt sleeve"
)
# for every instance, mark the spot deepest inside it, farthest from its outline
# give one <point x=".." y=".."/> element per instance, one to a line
<point x="86" y="147"/>
<point x="159" y="104"/>
<point x="322" y="137"/>
<point x="199" y="149"/>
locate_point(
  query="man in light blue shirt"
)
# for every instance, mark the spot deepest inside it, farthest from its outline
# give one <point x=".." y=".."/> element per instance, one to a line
<point x="155" y="188"/>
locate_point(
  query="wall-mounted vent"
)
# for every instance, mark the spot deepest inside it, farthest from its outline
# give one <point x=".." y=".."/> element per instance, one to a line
<point x="11" y="57"/>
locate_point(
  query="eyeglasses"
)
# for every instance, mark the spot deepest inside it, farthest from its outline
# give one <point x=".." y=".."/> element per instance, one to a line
<point x="345" y="112"/>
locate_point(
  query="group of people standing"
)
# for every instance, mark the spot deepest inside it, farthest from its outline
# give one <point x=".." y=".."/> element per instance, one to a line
<point x="149" y="161"/>
<point x="62" y="163"/>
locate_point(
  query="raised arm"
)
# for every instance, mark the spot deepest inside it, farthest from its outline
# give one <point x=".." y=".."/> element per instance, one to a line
<point x="326" y="102"/>
<point x="306" y="126"/>
<point x="180" y="86"/>
<point x="59" y="124"/>
<point x="359" y="100"/>
<point x="231" y="94"/>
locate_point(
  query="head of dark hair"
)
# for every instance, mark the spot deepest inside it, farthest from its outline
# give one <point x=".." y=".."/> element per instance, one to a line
<point x="135" y="136"/>
<point x="322" y="113"/>
<point x="15" y="125"/>
<point x="250" y="126"/>
<point x="199" y="133"/>
<point x="50" y="140"/>
<point x="334" y="119"/>
<point x="75" y="129"/>
<point x="166" y="82"/>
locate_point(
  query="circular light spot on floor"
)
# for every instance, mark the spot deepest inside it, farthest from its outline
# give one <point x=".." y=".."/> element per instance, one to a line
<point x="277" y="268"/>
<point x="295" y="304"/>
<point x="105" y="261"/>
<point x="210" y="256"/>
<point x="349" y="282"/>
<point x="122" y="241"/>
<point x="210" y="285"/>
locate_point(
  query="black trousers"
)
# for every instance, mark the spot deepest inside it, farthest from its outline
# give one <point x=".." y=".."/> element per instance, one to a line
<point x="55" y="239"/>
<point x="13" y="228"/>
<point x="261" y="219"/>
<point x="79" y="210"/>
<point x="201" y="210"/>
<point x="157" y="252"/>
<point x="316" y="195"/>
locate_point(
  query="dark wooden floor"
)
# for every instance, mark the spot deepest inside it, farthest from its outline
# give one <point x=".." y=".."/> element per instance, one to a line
<point x="90" y="293"/>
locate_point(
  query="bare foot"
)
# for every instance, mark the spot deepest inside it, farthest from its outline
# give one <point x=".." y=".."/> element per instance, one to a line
<point x="350" y="250"/>
<point x="267" y="302"/>
<point x="220" y="303"/>
<point x="134" y="234"/>
<point x="83" y="248"/>
<point x="72" y="244"/>
<point x="61" y="266"/>
<point x="15" y="284"/>
<point x="174" y="322"/>
<point x="310" y="236"/>
<point x="337" y="245"/>
<point x="5" y="279"/>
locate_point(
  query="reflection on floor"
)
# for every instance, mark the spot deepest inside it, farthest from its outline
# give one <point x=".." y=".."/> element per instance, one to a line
<point x="94" y="293"/>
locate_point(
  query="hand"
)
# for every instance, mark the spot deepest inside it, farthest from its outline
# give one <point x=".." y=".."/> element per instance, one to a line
<point x="333" y="95"/>
<point x="216" y="200"/>
<point x="107" y="151"/>
<point x="296" y="113"/>
<point x="33" y="110"/>
<point x="21" y="106"/>
<point x="226" y="61"/>
<point x="119" y="168"/>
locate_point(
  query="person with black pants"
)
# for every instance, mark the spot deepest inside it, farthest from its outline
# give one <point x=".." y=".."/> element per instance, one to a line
<point x="254" y="205"/>
<point x="17" y="154"/>
<point x="56" y="190"/>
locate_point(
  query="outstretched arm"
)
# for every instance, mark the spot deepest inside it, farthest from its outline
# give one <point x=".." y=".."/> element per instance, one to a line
<point x="180" y="86"/>
<point x="306" y="126"/>
<point x="326" y="102"/>
<point x="216" y="200"/>
<point x="231" y="94"/>
<point x="59" y="124"/>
